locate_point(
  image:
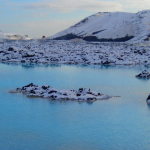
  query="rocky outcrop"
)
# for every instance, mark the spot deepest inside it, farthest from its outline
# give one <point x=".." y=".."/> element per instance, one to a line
<point x="73" y="52"/>
<point x="148" y="100"/>
<point x="82" y="94"/>
<point x="143" y="75"/>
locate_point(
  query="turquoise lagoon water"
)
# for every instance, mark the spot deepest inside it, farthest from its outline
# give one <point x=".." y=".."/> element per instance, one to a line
<point x="36" y="124"/>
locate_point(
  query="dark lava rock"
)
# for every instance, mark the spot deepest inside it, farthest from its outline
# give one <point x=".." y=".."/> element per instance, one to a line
<point x="10" y="49"/>
<point x="82" y="94"/>
<point x="33" y="92"/>
<point x="26" y="86"/>
<point x="148" y="99"/>
<point x="52" y="91"/>
<point x="78" y="94"/>
<point x="45" y="87"/>
<point x="143" y="75"/>
<point x="31" y="84"/>
<point x="23" y="61"/>
<point x="105" y="62"/>
<point x="80" y="89"/>
<point x="91" y="99"/>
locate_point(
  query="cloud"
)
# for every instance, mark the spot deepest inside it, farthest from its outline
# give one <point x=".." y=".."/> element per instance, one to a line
<point x="135" y="5"/>
<point x="75" y="5"/>
<point x="72" y="5"/>
<point x="90" y="5"/>
<point x="40" y="21"/>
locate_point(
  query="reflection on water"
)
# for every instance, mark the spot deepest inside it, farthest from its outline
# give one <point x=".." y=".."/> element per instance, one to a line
<point x="122" y="123"/>
<point x="34" y="65"/>
<point x="148" y="106"/>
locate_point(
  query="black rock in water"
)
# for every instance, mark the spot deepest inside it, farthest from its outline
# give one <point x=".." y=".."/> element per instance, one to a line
<point x="148" y="100"/>
<point x="143" y="75"/>
<point x="82" y="94"/>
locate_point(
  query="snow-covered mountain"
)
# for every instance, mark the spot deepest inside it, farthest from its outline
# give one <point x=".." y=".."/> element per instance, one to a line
<point x="110" y="26"/>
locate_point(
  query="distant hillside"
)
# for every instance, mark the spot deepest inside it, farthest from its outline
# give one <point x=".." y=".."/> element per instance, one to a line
<point x="110" y="27"/>
<point x="10" y="36"/>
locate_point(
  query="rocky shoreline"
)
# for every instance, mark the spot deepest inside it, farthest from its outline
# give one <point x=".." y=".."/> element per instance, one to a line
<point x="82" y="94"/>
<point x="73" y="52"/>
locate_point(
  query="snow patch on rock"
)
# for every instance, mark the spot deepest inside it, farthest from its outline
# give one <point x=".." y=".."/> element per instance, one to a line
<point x="74" y="52"/>
<point x="49" y="92"/>
<point x="143" y="75"/>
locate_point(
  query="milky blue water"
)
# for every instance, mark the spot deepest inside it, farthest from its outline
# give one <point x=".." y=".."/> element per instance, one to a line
<point x="36" y="124"/>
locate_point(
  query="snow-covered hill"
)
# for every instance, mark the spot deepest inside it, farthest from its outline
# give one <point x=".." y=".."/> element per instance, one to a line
<point x="107" y="26"/>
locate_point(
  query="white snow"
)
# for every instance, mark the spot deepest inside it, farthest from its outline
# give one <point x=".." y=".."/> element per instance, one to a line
<point x="70" y="52"/>
<point x="144" y="75"/>
<point x="81" y="94"/>
<point x="112" y="26"/>
<point x="77" y="51"/>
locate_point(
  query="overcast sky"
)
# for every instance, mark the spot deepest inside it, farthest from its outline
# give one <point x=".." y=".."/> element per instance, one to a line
<point x="47" y="17"/>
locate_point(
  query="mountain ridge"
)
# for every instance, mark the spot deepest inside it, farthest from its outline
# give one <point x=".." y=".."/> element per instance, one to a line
<point x="110" y="27"/>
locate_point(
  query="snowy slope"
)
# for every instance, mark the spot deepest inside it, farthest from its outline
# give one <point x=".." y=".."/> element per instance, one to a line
<point x="106" y="26"/>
